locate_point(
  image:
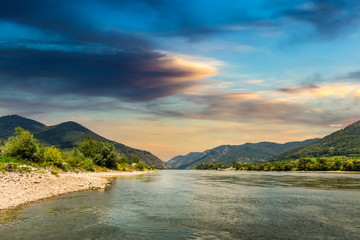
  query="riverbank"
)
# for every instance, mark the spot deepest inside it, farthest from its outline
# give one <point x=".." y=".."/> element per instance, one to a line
<point x="21" y="188"/>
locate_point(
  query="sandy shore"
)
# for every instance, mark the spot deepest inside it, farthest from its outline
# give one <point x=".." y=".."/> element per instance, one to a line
<point x="17" y="189"/>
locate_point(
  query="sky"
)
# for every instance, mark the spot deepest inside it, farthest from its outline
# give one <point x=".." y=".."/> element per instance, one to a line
<point x="175" y="76"/>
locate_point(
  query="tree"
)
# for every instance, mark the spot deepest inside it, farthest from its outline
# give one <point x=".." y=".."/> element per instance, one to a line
<point x="135" y="159"/>
<point x="23" y="145"/>
<point x="102" y="153"/>
<point x="304" y="163"/>
<point x="53" y="155"/>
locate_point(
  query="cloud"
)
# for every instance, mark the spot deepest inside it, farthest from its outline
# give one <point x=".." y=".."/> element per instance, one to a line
<point x="133" y="76"/>
<point x="316" y="105"/>
<point x="353" y="76"/>
<point x="312" y="91"/>
<point x="329" y="18"/>
<point x="298" y="89"/>
<point x="63" y="21"/>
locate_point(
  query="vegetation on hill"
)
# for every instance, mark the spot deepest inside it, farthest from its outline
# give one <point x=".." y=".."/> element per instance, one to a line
<point x="68" y="135"/>
<point x="9" y="123"/>
<point x="227" y="154"/>
<point x="345" y="142"/>
<point x="209" y="166"/>
<point x="306" y="164"/>
<point x="24" y="152"/>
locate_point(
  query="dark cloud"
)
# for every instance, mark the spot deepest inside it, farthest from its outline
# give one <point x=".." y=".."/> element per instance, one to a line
<point x="77" y="57"/>
<point x="353" y="76"/>
<point x="298" y="89"/>
<point x="134" y="76"/>
<point x="61" y="19"/>
<point x="330" y="18"/>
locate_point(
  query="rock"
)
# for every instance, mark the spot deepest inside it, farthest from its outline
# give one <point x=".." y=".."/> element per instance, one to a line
<point x="9" y="167"/>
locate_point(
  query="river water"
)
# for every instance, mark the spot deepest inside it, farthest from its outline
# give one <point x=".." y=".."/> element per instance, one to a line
<point x="198" y="205"/>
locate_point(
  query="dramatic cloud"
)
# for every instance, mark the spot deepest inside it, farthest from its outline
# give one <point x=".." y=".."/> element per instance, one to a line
<point x="135" y="76"/>
<point x="59" y="19"/>
<point x="330" y="18"/>
<point x="307" y="104"/>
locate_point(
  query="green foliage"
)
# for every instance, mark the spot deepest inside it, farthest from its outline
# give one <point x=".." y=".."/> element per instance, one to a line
<point x="227" y="154"/>
<point x="209" y="166"/>
<point x="68" y="135"/>
<point x="102" y="153"/>
<point x="24" y="146"/>
<point x="340" y="163"/>
<point x="345" y="142"/>
<point x="126" y="167"/>
<point x="135" y="159"/>
<point x="76" y="160"/>
<point x="141" y="166"/>
<point x="53" y="155"/>
<point x="24" y="150"/>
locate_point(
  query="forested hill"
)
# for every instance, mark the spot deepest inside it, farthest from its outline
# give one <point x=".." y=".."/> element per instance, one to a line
<point x="345" y="142"/>
<point x="68" y="135"/>
<point x="227" y="154"/>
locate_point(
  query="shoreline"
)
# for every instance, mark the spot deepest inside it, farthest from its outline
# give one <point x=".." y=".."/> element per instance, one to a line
<point x="22" y="188"/>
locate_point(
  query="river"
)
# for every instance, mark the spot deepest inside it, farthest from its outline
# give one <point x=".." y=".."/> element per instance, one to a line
<point x="198" y="205"/>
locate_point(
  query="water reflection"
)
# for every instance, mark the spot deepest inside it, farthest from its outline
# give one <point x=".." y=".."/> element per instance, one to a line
<point x="199" y="205"/>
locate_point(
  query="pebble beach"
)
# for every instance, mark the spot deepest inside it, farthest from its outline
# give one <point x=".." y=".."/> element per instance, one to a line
<point x="21" y="188"/>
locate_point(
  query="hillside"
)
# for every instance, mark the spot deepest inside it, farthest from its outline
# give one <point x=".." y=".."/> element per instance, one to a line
<point x="9" y="123"/>
<point x="227" y="154"/>
<point x="343" y="142"/>
<point x="68" y="135"/>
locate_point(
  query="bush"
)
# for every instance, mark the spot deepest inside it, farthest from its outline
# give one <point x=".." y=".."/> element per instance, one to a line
<point x="75" y="159"/>
<point x="102" y="153"/>
<point x="23" y="145"/>
<point x="209" y="166"/>
<point x="141" y="166"/>
<point x="125" y="167"/>
<point x="53" y="155"/>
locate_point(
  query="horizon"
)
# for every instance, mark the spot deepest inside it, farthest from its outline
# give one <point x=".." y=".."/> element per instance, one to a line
<point x="174" y="78"/>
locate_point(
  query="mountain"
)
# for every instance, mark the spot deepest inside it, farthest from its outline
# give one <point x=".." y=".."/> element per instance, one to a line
<point x="68" y="135"/>
<point x="9" y="123"/>
<point x="227" y="154"/>
<point x="343" y="142"/>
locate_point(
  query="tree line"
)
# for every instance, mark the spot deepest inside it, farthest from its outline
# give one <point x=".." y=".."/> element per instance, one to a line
<point x="91" y="155"/>
<point x="305" y="164"/>
<point x="342" y="163"/>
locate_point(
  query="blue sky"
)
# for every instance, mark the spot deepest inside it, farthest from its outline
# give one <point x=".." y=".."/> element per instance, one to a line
<point x="173" y="76"/>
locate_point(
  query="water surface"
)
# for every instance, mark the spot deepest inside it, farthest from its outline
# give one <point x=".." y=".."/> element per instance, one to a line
<point x="198" y="205"/>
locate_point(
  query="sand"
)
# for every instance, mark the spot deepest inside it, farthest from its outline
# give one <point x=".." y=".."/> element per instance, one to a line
<point x="21" y="188"/>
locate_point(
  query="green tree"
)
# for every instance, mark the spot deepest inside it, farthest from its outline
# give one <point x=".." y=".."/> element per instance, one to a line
<point x="53" y="155"/>
<point x="209" y="166"/>
<point x="304" y="163"/>
<point x="102" y="153"/>
<point x="135" y="159"/>
<point x="23" y="145"/>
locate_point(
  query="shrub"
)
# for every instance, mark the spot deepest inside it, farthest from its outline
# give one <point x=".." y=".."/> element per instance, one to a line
<point x="75" y="159"/>
<point x="23" y="145"/>
<point x="53" y="155"/>
<point x="102" y="153"/>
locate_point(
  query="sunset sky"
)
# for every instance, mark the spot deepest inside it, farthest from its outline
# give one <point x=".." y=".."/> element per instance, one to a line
<point x="176" y="76"/>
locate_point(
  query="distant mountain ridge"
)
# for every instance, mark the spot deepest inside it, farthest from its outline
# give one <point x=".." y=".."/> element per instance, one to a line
<point x="227" y="154"/>
<point x="68" y="135"/>
<point x="344" y="142"/>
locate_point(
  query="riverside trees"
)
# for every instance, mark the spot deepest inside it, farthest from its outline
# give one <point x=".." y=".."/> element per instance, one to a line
<point x="91" y="154"/>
